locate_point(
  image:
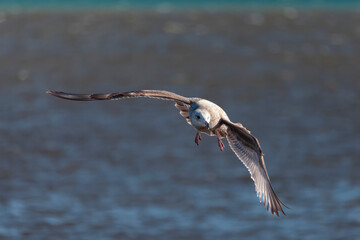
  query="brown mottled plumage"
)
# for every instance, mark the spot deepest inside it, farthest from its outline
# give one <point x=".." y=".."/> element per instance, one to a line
<point x="209" y="118"/>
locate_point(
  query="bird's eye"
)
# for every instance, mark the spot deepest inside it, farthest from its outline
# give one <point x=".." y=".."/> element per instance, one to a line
<point x="197" y="116"/>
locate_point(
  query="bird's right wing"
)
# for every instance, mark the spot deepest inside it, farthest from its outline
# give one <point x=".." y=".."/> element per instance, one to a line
<point x="247" y="149"/>
<point x="182" y="103"/>
<point x="164" y="95"/>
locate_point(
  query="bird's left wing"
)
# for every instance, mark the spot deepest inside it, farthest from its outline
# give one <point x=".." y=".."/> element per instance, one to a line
<point x="247" y="149"/>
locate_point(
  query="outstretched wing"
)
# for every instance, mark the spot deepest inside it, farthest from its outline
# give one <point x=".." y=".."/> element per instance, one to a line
<point x="165" y="95"/>
<point x="247" y="149"/>
<point x="182" y="103"/>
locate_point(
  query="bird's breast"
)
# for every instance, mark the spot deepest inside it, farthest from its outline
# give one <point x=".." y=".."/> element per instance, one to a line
<point x="202" y="129"/>
<point x="221" y="131"/>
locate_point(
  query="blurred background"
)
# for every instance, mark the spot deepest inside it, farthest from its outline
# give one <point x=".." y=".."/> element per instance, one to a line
<point x="287" y="70"/>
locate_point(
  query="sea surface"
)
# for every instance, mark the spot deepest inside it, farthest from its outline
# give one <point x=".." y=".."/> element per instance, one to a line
<point x="131" y="170"/>
<point x="163" y="5"/>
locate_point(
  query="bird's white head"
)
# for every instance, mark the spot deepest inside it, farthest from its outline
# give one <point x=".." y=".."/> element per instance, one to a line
<point x="200" y="118"/>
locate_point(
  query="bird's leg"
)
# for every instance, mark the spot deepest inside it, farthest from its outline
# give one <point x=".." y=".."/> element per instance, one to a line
<point x="197" y="138"/>
<point x="220" y="143"/>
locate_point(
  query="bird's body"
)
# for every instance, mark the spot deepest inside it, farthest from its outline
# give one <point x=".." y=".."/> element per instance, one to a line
<point x="216" y="113"/>
<point x="207" y="117"/>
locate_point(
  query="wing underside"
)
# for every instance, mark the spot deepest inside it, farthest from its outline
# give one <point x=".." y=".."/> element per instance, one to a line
<point x="254" y="162"/>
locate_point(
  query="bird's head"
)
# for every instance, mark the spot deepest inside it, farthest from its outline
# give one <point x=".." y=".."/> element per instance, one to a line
<point x="200" y="118"/>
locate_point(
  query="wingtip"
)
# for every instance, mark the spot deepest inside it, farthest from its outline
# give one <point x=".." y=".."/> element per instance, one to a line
<point x="282" y="212"/>
<point x="276" y="211"/>
<point x="276" y="207"/>
<point x="50" y="92"/>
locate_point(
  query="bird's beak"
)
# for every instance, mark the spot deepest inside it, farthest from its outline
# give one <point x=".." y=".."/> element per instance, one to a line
<point x="207" y="125"/>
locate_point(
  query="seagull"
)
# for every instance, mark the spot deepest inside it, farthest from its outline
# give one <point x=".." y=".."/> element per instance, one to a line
<point x="207" y="117"/>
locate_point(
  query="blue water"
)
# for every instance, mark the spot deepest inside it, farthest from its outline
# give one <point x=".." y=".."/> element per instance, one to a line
<point x="131" y="170"/>
<point x="199" y="4"/>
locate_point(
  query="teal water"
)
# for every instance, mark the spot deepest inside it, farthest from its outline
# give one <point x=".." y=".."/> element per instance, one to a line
<point x="200" y="4"/>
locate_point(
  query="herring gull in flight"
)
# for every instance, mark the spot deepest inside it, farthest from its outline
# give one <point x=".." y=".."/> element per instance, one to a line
<point x="207" y="117"/>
